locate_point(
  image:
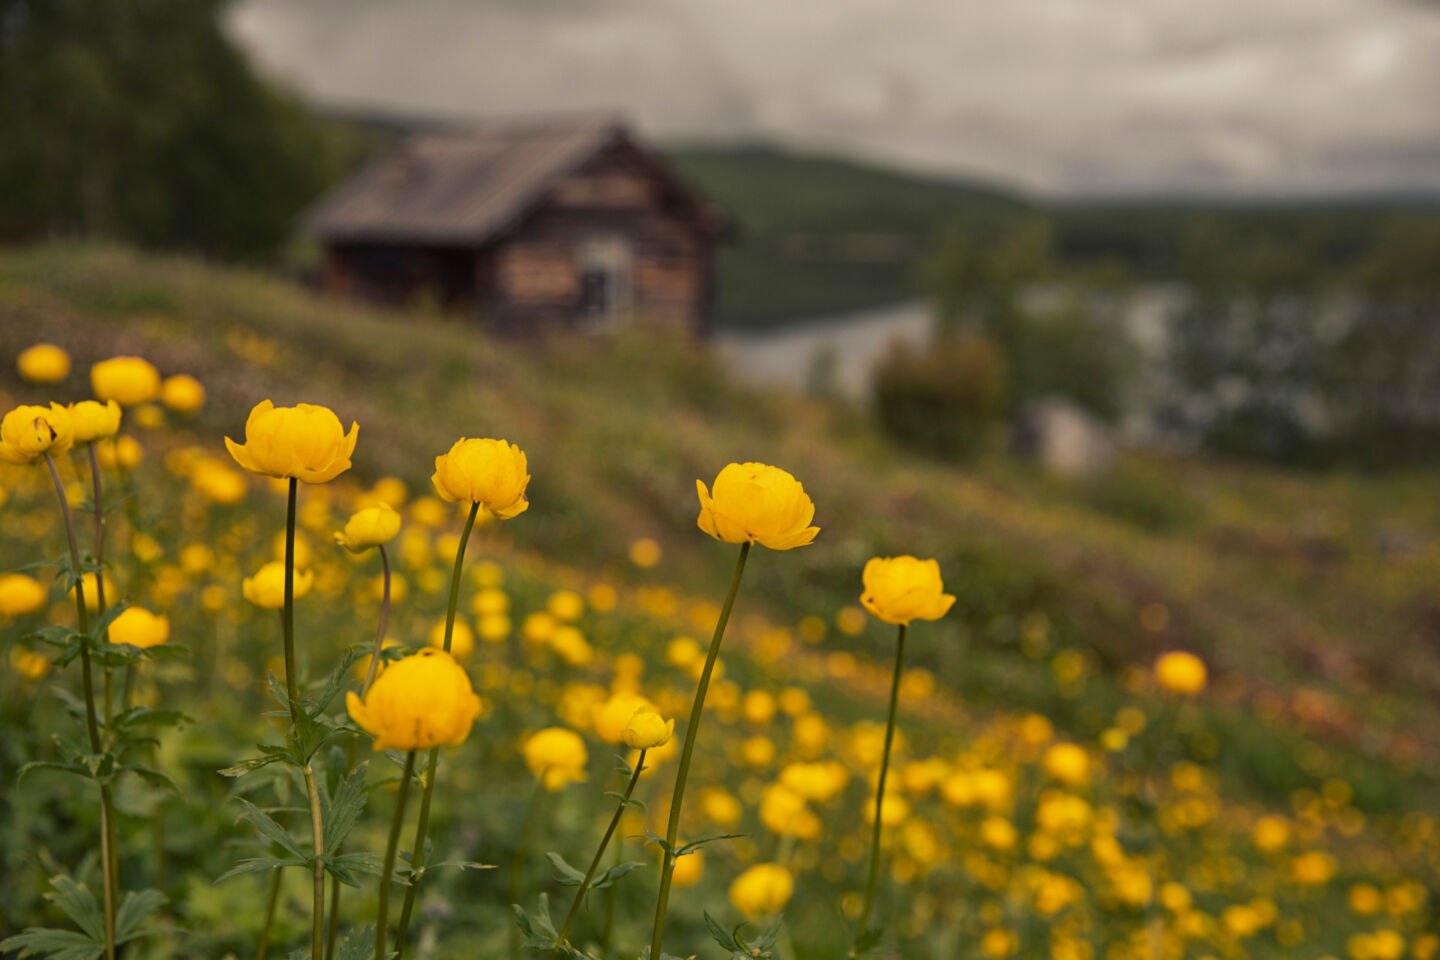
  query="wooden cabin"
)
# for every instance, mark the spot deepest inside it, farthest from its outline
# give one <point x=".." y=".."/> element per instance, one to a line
<point x="558" y="226"/>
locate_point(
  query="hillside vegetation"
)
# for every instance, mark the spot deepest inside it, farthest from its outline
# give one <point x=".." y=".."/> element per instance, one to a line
<point x="1312" y="596"/>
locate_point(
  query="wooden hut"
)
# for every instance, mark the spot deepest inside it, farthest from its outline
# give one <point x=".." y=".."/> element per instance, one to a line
<point x="556" y="226"/>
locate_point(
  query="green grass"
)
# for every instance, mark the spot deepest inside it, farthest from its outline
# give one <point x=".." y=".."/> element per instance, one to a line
<point x="1284" y="582"/>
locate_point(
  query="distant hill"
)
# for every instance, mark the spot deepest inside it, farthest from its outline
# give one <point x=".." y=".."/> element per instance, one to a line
<point x="818" y="235"/>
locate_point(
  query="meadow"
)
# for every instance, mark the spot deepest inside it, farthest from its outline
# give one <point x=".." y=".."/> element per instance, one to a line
<point x="1049" y="798"/>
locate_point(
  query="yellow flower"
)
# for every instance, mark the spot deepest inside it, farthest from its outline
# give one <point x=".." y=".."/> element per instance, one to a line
<point x="565" y="605"/>
<point x="1180" y="672"/>
<point x="491" y="473"/>
<point x="757" y="503"/>
<point x="418" y="702"/>
<point x="1068" y="763"/>
<point x="129" y="380"/>
<point x="27" y="433"/>
<point x="688" y="869"/>
<point x="369" y="528"/>
<point x="182" y="393"/>
<point x="1271" y="833"/>
<point x="612" y="718"/>
<point x="557" y="756"/>
<point x="43" y="363"/>
<point x="139" y="628"/>
<point x="462" y="639"/>
<point x="28" y="663"/>
<point x="647" y="730"/>
<point x="217" y="482"/>
<point x="267" y="588"/>
<point x="92" y="420"/>
<point x="645" y="552"/>
<point x="92" y="592"/>
<point x="901" y="589"/>
<point x="815" y="781"/>
<point x="764" y="888"/>
<point x="305" y="441"/>
<point x="20" y="594"/>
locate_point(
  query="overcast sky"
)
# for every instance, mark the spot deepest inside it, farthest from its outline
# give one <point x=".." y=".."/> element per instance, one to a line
<point x="1060" y="96"/>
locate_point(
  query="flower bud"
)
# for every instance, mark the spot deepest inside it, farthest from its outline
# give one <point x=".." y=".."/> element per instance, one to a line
<point x="43" y="363"/>
<point x="27" y="433"/>
<point x="491" y="473"/>
<point x="757" y="503"/>
<point x="267" y="588"/>
<point x="305" y="441"/>
<point x="557" y="756"/>
<point x="139" y="627"/>
<point x="421" y="701"/>
<point x="647" y="730"/>
<point x="129" y="380"/>
<point x="901" y="589"/>
<point x="369" y="528"/>
<point x="92" y="420"/>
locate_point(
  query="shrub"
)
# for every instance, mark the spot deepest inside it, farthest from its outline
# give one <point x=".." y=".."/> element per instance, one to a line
<point x="942" y="401"/>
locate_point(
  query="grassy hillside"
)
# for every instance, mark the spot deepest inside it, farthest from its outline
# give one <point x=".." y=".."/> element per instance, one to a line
<point x="1317" y="590"/>
<point x="1310" y="597"/>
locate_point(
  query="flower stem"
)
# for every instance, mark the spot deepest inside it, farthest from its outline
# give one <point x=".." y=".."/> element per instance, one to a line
<point x="270" y="904"/>
<point x="600" y="852"/>
<point x="384" y="622"/>
<point x="672" y="831"/>
<point x="387" y="874"/>
<point x="370" y="672"/>
<point x="522" y="853"/>
<point x="92" y="725"/>
<point x="417" y="852"/>
<point x="874" y="877"/>
<point x="292" y="690"/>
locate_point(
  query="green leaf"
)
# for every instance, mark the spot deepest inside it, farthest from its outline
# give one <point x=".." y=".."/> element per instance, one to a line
<point x="565" y="873"/>
<point x="149" y="717"/>
<point x="55" y="944"/>
<point x="74" y="768"/>
<point x="692" y="846"/>
<point x="152" y="777"/>
<point x="270" y="828"/>
<point x="357" y="945"/>
<point x="78" y="903"/>
<point x="135" y="909"/>
<point x="335" y="682"/>
<point x="614" y="873"/>
<point x="341" y="811"/>
<point x="257" y="864"/>
<point x="344" y="866"/>
<point x="725" y="938"/>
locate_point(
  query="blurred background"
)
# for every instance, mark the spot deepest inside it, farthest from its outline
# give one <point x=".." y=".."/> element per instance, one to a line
<point x="1128" y="311"/>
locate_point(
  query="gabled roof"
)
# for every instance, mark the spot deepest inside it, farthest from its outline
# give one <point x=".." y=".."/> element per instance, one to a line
<point x="460" y="187"/>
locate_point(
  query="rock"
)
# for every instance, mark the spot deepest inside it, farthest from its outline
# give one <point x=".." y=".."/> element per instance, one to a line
<point x="1063" y="438"/>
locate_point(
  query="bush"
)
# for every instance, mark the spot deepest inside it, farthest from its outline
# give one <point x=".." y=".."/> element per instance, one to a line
<point x="941" y="402"/>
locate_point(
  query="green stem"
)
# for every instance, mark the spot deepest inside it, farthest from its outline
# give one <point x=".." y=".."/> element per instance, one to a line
<point x="387" y="875"/>
<point x="522" y="853"/>
<point x="874" y="877"/>
<point x="667" y="870"/>
<point x="292" y="690"/>
<point x="269" y="914"/>
<point x="384" y="622"/>
<point x="92" y="725"/>
<point x="417" y="853"/>
<point x="600" y="852"/>
<point x="334" y="921"/>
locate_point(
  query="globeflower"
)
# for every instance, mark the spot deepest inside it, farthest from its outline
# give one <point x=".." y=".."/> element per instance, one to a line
<point x="267" y="588"/>
<point x="92" y="420"/>
<point x="647" y="730"/>
<point x="139" y="627"/>
<point x="612" y="719"/>
<point x="305" y="442"/>
<point x="1068" y="763"/>
<point x="27" y="433"/>
<point x="129" y="380"/>
<point x="20" y="594"/>
<point x="557" y="757"/>
<point x="1180" y="672"/>
<point x="762" y="889"/>
<point x="424" y="700"/>
<point x="491" y="473"/>
<point x="182" y="393"/>
<point x="901" y="589"/>
<point x="369" y="528"/>
<point x="43" y="363"/>
<point x="757" y="503"/>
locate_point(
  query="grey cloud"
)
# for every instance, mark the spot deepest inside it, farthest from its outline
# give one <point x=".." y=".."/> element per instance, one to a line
<point x="1058" y="95"/>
